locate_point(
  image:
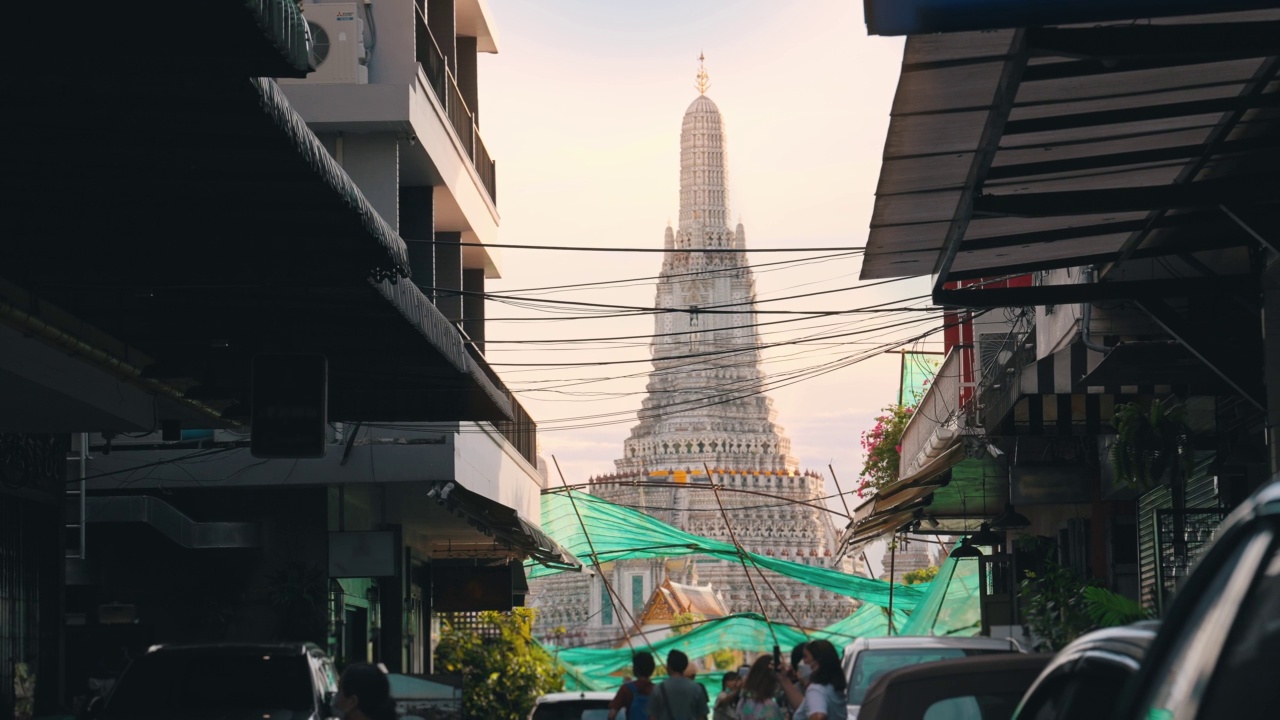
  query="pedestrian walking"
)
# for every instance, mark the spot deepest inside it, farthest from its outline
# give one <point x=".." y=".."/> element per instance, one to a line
<point x="826" y="695"/>
<point x="691" y="672"/>
<point x="758" y="699"/>
<point x="678" y="697"/>
<point x="634" y="696"/>
<point x="364" y="693"/>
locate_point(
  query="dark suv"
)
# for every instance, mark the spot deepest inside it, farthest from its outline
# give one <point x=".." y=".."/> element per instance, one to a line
<point x="280" y="681"/>
<point x="1217" y="654"/>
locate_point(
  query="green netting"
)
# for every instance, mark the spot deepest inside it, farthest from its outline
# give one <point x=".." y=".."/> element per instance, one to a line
<point x="620" y="533"/>
<point x="951" y="607"/>
<point x="918" y="370"/>
<point x="605" y="668"/>
<point x="868" y="621"/>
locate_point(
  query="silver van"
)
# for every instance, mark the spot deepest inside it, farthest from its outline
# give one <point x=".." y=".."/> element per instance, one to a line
<point x="866" y="659"/>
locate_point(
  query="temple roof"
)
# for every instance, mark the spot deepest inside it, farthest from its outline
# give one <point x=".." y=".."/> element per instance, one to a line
<point x="695" y="598"/>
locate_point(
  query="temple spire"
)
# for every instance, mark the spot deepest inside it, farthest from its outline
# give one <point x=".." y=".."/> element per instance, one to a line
<point x="704" y="81"/>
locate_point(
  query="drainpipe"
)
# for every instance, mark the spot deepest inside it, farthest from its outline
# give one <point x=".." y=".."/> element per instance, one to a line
<point x="1086" y="317"/>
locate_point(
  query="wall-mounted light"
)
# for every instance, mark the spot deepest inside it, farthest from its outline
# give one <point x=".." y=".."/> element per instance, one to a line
<point x="337" y="606"/>
<point x="375" y="608"/>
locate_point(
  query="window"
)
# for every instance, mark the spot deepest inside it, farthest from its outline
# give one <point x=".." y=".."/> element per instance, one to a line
<point x="606" y="605"/>
<point x="637" y="593"/>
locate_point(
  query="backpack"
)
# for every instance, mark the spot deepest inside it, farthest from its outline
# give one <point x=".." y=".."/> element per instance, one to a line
<point x="639" y="709"/>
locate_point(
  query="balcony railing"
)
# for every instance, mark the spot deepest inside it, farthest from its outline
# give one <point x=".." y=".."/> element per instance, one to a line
<point x="941" y="408"/>
<point x="445" y="86"/>
<point x="521" y="431"/>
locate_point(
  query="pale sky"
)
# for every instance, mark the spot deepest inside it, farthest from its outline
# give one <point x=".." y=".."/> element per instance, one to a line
<point x="581" y="109"/>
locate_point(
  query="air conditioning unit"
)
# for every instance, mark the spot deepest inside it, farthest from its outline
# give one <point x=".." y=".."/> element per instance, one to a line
<point x="337" y="45"/>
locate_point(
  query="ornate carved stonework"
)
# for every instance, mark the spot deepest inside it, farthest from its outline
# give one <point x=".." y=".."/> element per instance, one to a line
<point x="705" y="409"/>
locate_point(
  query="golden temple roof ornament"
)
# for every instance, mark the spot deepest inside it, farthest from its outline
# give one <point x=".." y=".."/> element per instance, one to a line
<point x="704" y="81"/>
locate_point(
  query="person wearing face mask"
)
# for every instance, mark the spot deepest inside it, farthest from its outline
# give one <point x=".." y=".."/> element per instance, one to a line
<point x="364" y="693"/>
<point x="803" y="672"/>
<point x="825" y="696"/>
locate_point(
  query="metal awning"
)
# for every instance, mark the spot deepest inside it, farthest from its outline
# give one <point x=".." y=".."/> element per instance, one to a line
<point x="952" y="494"/>
<point x="176" y="205"/>
<point x="894" y="506"/>
<point x="504" y="523"/>
<point x="1015" y="151"/>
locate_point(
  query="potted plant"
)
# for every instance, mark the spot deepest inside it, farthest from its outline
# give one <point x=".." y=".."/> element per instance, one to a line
<point x="1153" y="444"/>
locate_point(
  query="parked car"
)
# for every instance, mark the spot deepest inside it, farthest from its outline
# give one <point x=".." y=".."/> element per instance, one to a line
<point x="1218" y="649"/>
<point x="577" y="705"/>
<point x="866" y="659"/>
<point x="282" y="681"/>
<point x="970" y="688"/>
<point x="1086" y="678"/>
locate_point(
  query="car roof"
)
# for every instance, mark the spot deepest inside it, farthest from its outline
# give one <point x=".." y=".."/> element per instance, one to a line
<point x="930" y="641"/>
<point x="1129" y="640"/>
<point x="277" y="648"/>
<point x="576" y="695"/>
<point x="907" y="692"/>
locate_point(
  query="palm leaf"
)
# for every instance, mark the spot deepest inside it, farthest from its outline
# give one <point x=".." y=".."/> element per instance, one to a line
<point x="1108" y="609"/>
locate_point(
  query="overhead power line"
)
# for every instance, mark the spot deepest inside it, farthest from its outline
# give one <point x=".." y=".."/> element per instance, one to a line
<point x="571" y="248"/>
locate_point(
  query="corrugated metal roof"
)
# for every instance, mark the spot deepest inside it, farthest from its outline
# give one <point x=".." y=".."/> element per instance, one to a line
<point x="1146" y="110"/>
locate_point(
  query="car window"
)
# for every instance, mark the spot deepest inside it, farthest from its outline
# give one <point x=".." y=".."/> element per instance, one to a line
<point x="330" y="677"/>
<point x="169" y="685"/>
<point x="1182" y="674"/>
<point x="991" y="706"/>
<point x="1244" y="684"/>
<point x="871" y="664"/>
<point x="573" y="710"/>
<point x="1096" y="687"/>
<point x="1048" y="700"/>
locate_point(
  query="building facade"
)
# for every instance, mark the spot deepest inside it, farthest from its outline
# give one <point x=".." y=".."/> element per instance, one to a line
<point x="315" y="185"/>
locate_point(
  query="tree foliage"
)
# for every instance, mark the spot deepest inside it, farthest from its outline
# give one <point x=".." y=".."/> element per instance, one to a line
<point x="882" y="445"/>
<point x="682" y="623"/>
<point x="503" y="675"/>
<point x="1150" y="442"/>
<point x="923" y="575"/>
<point x="1059" y="606"/>
<point x="724" y="659"/>
<point x="1053" y="606"/>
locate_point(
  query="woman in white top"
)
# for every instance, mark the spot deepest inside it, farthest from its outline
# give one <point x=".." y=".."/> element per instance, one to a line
<point x="825" y="698"/>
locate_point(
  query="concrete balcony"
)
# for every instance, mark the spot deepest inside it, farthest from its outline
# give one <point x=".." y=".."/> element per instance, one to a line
<point x="451" y="486"/>
<point x="943" y="415"/>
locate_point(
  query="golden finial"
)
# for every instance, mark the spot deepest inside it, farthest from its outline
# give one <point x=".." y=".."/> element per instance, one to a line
<point x="704" y="82"/>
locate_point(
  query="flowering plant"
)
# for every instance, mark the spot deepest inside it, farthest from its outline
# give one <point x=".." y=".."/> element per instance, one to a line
<point x="882" y="444"/>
